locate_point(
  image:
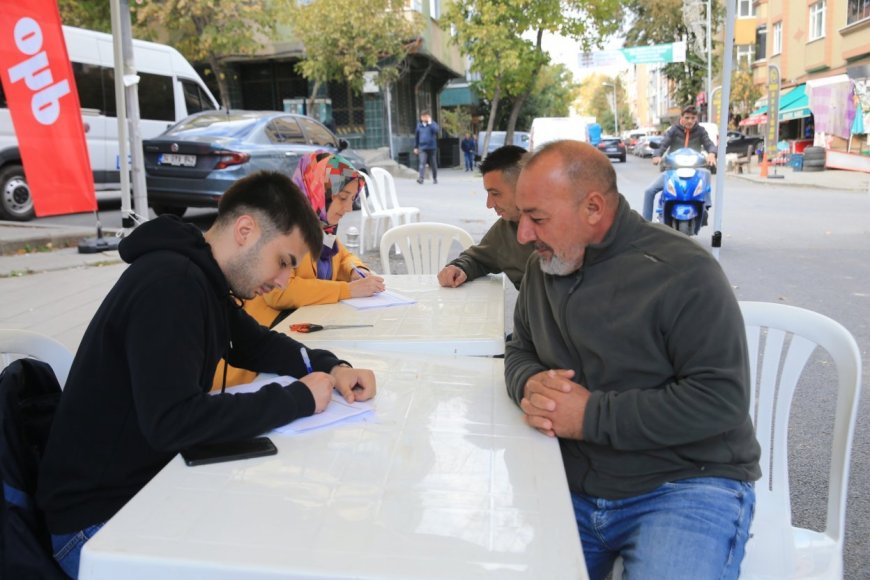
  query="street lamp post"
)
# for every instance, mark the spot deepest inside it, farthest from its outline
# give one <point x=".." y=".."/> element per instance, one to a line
<point x="615" y="109"/>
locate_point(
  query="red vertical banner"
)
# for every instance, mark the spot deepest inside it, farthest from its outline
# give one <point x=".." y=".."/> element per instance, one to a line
<point x="40" y="90"/>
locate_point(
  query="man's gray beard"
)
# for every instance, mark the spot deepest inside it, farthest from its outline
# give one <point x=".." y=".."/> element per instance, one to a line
<point x="555" y="266"/>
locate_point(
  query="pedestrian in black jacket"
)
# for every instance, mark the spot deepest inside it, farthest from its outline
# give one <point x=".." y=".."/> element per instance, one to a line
<point x="137" y="392"/>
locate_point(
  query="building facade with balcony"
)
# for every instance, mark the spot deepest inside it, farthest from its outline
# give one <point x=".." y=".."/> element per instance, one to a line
<point x="822" y="50"/>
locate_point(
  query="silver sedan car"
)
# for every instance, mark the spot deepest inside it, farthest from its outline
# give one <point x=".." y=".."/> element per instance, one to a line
<point x="193" y="162"/>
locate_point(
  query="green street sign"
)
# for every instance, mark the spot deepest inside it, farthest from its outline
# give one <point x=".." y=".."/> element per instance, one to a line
<point x="657" y="53"/>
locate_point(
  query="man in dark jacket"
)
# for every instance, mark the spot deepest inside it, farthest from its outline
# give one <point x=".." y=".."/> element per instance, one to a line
<point x="629" y="346"/>
<point x="469" y="147"/>
<point x="137" y="392"/>
<point x="686" y="133"/>
<point x="426" y="145"/>
<point x="499" y="250"/>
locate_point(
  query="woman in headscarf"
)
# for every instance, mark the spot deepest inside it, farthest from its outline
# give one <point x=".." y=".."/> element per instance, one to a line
<point x="331" y="184"/>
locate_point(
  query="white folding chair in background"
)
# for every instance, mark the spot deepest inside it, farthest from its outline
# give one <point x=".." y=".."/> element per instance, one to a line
<point x="425" y="246"/>
<point x="781" y="339"/>
<point x="15" y="344"/>
<point x="385" y="186"/>
<point x="372" y="213"/>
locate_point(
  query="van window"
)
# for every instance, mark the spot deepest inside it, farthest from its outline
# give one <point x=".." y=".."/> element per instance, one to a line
<point x="317" y="134"/>
<point x="156" y="100"/>
<point x="89" y="83"/>
<point x="195" y="98"/>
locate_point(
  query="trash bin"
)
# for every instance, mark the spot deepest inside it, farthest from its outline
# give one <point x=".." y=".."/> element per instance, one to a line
<point x="796" y="161"/>
<point x="448" y="152"/>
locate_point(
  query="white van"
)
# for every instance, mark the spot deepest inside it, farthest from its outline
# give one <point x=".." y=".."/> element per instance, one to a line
<point x="546" y="129"/>
<point x="169" y="90"/>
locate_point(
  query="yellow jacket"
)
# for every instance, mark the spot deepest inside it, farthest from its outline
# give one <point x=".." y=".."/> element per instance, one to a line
<point x="303" y="289"/>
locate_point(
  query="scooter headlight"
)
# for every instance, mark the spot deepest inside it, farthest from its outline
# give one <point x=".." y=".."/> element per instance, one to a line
<point x="685" y="160"/>
<point x="699" y="189"/>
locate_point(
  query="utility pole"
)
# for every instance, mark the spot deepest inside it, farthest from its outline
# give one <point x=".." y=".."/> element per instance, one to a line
<point x="709" y="61"/>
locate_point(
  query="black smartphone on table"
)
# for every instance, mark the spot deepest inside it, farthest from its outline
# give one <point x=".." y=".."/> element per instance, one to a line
<point x="228" y="451"/>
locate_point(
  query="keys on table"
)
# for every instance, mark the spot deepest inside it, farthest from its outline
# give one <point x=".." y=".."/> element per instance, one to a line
<point x="306" y="327"/>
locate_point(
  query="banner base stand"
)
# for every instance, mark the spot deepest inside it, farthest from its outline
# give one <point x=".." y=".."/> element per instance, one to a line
<point x="97" y="245"/>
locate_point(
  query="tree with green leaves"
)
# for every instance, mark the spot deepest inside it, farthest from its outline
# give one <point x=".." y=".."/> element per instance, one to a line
<point x="491" y="32"/>
<point x="744" y="92"/>
<point x="601" y="106"/>
<point x="343" y="39"/>
<point x="206" y="30"/>
<point x="663" y="21"/>
<point x="90" y="14"/>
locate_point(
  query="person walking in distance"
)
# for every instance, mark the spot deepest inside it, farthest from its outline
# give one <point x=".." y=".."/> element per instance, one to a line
<point x="426" y="144"/>
<point x="468" y="146"/>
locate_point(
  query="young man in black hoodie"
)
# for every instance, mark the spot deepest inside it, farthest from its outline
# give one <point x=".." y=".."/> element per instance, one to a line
<point x="137" y="392"/>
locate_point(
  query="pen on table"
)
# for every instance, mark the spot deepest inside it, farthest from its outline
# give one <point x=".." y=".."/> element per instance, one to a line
<point x="358" y="271"/>
<point x="304" y="352"/>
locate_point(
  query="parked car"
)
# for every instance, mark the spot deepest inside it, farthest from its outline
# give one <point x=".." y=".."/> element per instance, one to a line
<point x="649" y="146"/>
<point x="496" y="140"/>
<point x="193" y="162"/>
<point x="612" y="147"/>
<point x="742" y="144"/>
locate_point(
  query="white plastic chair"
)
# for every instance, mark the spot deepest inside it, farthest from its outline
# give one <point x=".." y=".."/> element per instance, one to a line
<point x="781" y="339"/>
<point x="17" y="343"/>
<point x="424" y="245"/>
<point x="374" y="214"/>
<point x="385" y="187"/>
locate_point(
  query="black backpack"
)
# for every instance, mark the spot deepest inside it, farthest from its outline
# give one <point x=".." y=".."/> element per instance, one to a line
<point x="29" y="395"/>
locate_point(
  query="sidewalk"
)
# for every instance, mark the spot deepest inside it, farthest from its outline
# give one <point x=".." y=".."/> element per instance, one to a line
<point x="827" y="179"/>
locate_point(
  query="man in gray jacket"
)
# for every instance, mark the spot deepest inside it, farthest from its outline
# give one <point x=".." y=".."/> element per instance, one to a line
<point x="499" y="250"/>
<point x="629" y="346"/>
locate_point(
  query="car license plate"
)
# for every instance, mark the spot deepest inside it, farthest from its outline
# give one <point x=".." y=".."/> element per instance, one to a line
<point x="611" y="149"/>
<point x="177" y="160"/>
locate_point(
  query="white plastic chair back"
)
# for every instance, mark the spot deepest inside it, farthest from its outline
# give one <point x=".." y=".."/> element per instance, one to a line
<point x="425" y="246"/>
<point x="15" y="344"/>
<point x="781" y="339"/>
<point x="372" y="212"/>
<point x="385" y="185"/>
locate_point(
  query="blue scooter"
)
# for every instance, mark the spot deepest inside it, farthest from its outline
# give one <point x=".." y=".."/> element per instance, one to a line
<point x="684" y="199"/>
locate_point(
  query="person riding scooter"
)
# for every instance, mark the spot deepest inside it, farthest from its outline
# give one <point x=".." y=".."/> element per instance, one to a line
<point x="685" y="133"/>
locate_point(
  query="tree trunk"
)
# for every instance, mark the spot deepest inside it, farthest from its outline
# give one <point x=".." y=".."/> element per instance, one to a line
<point x="518" y="104"/>
<point x="491" y="121"/>
<point x="221" y="78"/>
<point x="310" y="107"/>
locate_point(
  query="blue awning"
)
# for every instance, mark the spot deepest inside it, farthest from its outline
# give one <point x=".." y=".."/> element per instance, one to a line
<point x="795" y="105"/>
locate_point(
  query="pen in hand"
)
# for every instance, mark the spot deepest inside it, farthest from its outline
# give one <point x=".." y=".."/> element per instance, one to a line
<point x="358" y="272"/>
<point x="304" y="352"/>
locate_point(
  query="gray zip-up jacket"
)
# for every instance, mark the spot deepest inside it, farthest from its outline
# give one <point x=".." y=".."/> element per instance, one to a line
<point x="652" y="328"/>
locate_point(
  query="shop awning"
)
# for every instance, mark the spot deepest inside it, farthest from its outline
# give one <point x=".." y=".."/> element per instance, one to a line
<point x="455" y="95"/>
<point x="795" y="105"/>
<point x="757" y="117"/>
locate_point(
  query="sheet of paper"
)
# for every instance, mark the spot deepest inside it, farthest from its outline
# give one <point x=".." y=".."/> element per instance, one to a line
<point x="380" y="300"/>
<point x="338" y="410"/>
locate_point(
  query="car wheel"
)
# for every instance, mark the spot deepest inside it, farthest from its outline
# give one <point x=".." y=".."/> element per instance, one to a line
<point x="16" y="203"/>
<point x="169" y="210"/>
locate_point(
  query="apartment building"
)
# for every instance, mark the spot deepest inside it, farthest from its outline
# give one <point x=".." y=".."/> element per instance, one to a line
<point x="822" y="50"/>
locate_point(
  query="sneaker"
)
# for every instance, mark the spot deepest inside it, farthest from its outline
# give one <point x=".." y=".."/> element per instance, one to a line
<point x="419" y="180"/>
<point x="434" y="181"/>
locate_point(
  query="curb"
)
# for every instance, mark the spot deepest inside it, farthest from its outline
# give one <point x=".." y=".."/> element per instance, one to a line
<point x="17" y="238"/>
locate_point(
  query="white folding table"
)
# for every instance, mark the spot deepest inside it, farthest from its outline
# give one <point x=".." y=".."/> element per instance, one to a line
<point x="443" y="481"/>
<point x="468" y="320"/>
